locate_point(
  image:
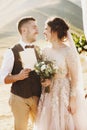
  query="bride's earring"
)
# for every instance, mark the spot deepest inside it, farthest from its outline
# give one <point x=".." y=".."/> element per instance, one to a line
<point x="64" y="39"/>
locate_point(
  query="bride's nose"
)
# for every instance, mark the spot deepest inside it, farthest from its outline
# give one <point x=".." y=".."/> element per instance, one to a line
<point x="44" y="32"/>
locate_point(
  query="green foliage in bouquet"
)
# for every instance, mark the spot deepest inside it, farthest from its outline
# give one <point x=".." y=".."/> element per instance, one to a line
<point x="80" y="42"/>
<point x="46" y="69"/>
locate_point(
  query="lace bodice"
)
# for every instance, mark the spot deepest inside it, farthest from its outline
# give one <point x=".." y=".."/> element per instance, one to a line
<point x="59" y="59"/>
<point x="68" y="63"/>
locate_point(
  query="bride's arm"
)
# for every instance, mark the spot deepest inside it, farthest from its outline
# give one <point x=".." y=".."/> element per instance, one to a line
<point x="73" y="63"/>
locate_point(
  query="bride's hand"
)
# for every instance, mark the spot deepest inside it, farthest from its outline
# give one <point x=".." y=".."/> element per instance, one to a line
<point x="46" y="82"/>
<point x="72" y="105"/>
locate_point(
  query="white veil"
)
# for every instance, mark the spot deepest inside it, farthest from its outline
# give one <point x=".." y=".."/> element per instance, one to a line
<point x="71" y="42"/>
<point x="76" y="54"/>
<point x="81" y="102"/>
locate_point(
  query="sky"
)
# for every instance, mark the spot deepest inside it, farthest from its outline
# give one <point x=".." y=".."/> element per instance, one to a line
<point x="9" y="9"/>
<point x="77" y="2"/>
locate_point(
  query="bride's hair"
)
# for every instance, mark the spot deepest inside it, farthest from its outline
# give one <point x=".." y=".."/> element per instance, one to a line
<point x="58" y="25"/>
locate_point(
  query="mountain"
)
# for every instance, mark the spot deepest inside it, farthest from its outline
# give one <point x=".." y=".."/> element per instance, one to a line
<point x="12" y="11"/>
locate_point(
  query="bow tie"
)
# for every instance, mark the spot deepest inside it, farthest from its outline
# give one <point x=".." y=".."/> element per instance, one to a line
<point x="29" y="46"/>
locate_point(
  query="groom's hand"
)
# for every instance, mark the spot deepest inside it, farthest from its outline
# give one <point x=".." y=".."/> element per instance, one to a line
<point x="24" y="73"/>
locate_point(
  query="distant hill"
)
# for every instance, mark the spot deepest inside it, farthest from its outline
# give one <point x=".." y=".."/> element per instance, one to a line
<point x="63" y="8"/>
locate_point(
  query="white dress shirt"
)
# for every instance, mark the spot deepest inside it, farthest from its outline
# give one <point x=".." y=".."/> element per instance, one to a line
<point x="8" y="62"/>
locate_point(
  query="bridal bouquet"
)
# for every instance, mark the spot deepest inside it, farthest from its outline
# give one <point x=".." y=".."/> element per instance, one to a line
<point x="46" y="69"/>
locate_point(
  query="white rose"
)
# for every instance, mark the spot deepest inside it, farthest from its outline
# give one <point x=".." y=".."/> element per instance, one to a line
<point x="81" y="43"/>
<point x="79" y="49"/>
<point x="85" y="47"/>
<point x="42" y="62"/>
<point x="43" y="67"/>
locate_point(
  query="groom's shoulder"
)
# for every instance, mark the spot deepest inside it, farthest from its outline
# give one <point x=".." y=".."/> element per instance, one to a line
<point x="16" y="48"/>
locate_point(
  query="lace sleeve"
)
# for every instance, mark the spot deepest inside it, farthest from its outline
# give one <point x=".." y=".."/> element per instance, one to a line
<point x="74" y="67"/>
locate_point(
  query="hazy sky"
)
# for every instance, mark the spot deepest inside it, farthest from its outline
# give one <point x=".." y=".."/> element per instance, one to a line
<point x="10" y="9"/>
<point x="77" y="2"/>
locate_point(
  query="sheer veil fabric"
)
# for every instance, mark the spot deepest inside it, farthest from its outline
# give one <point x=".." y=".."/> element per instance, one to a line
<point x="81" y="103"/>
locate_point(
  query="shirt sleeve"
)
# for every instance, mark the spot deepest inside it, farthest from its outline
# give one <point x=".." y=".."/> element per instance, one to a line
<point x="7" y="65"/>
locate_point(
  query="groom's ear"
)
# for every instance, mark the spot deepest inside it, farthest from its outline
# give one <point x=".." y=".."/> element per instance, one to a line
<point x="23" y="29"/>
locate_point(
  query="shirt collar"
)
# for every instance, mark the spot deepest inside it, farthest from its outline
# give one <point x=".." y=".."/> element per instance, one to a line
<point x="23" y="44"/>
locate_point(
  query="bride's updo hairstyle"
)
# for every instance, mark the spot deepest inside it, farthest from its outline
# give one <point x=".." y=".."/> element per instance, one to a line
<point x="58" y="25"/>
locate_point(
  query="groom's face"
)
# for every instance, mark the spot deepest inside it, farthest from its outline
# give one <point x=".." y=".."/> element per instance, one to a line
<point x="30" y="31"/>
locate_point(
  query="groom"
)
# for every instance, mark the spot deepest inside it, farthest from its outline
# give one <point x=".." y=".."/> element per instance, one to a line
<point x="26" y="86"/>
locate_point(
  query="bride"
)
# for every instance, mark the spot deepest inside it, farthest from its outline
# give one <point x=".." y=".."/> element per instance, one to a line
<point x="63" y="108"/>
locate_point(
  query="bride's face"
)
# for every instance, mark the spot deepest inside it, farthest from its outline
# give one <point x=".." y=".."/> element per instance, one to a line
<point x="47" y="33"/>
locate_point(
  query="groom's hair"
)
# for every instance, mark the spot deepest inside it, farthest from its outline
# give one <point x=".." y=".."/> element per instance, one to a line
<point x="23" y="21"/>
